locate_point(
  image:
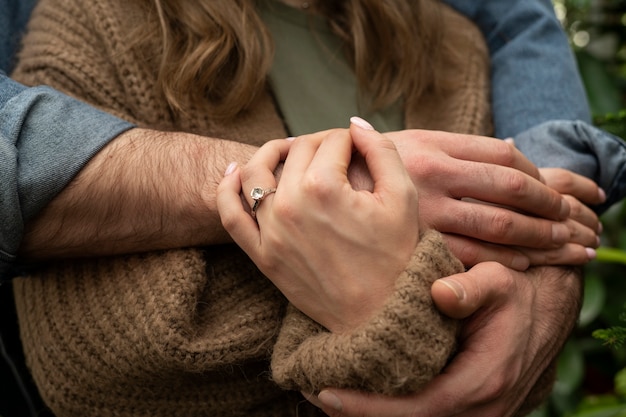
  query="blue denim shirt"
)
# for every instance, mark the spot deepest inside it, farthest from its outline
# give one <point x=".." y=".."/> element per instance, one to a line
<point x="534" y="73"/>
<point x="542" y="102"/>
<point x="46" y="137"/>
<point x="13" y="19"/>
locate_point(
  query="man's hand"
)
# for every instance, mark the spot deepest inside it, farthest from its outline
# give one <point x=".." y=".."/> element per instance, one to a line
<point x="517" y="324"/>
<point x="490" y="201"/>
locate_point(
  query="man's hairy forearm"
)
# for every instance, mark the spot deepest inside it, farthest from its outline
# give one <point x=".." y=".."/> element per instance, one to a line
<point x="146" y="190"/>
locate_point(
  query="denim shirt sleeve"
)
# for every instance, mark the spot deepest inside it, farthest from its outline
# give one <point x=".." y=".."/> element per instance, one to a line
<point x="45" y="139"/>
<point x="13" y="18"/>
<point x="538" y="95"/>
<point x="534" y="73"/>
<point x="581" y="148"/>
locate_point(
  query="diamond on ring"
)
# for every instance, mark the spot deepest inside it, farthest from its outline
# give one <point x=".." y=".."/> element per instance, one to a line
<point x="258" y="194"/>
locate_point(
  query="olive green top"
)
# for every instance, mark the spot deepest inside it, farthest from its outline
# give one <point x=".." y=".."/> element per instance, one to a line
<point x="314" y="85"/>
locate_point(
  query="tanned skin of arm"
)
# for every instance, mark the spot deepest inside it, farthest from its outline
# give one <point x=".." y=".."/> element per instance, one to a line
<point x="146" y="190"/>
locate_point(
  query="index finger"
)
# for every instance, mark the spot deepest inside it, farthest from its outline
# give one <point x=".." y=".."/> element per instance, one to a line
<point x="480" y="149"/>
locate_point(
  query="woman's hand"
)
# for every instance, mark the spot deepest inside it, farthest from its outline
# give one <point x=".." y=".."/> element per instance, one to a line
<point x="582" y="222"/>
<point x="333" y="251"/>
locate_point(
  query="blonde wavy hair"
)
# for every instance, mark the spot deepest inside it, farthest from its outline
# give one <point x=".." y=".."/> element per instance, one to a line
<point x="217" y="53"/>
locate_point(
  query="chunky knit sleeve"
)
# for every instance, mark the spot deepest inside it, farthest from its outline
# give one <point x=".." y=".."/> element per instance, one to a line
<point x="85" y="49"/>
<point x="398" y="351"/>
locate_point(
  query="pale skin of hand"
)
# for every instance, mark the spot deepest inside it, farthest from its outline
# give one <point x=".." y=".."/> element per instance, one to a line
<point x="314" y="222"/>
<point x="518" y="322"/>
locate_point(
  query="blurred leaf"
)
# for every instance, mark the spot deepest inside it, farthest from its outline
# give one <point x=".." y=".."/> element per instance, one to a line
<point x="613" y="336"/>
<point x="595" y="296"/>
<point x="541" y="412"/>
<point x="608" y="411"/>
<point x="569" y="377"/>
<point x="620" y="383"/>
<point x="602" y="89"/>
<point x="614" y="123"/>
<point x="601" y="406"/>
<point x="570" y="369"/>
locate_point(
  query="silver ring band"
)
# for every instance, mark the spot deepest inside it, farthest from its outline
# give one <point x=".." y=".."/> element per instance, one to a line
<point x="258" y="194"/>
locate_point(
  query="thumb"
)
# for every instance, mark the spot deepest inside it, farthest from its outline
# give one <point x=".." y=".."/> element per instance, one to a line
<point x="460" y="295"/>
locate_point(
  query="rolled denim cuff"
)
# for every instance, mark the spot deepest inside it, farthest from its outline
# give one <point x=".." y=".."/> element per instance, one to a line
<point x="581" y="148"/>
<point x="45" y="140"/>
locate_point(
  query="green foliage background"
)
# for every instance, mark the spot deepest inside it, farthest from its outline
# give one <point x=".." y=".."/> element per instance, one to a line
<point x="592" y="368"/>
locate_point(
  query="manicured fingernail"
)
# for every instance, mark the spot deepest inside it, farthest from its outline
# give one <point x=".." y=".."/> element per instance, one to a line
<point x="602" y="195"/>
<point x="330" y="400"/>
<point x="510" y="141"/>
<point x="363" y="124"/>
<point x="456" y="288"/>
<point x="230" y="168"/>
<point x="591" y="253"/>
<point x="560" y="233"/>
<point x="290" y="138"/>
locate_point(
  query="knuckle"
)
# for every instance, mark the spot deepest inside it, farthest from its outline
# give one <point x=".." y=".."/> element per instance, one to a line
<point x="502" y="223"/>
<point x="517" y="183"/>
<point x="427" y="167"/>
<point x="472" y="220"/>
<point x="562" y="180"/>
<point x="582" y="234"/>
<point x="387" y="144"/>
<point x="500" y="276"/>
<point x="543" y="235"/>
<point x="469" y="254"/>
<point x="314" y="185"/>
<point x="246" y="172"/>
<point x="505" y="153"/>
<point x="576" y="208"/>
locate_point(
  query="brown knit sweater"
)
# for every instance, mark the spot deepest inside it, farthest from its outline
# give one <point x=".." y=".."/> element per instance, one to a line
<point x="191" y="332"/>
